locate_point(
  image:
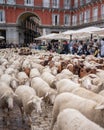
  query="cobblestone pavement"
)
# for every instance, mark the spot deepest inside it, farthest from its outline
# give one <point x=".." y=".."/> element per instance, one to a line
<point x="40" y="122"/>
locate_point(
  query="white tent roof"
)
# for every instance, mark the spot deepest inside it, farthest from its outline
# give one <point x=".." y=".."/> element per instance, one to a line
<point x="45" y="37"/>
<point x="89" y="29"/>
<point x="1" y="37"/>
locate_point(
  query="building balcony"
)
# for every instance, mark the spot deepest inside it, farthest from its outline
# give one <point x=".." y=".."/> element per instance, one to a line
<point x="37" y="6"/>
<point x="84" y="3"/>
<point x="89" y="22"/>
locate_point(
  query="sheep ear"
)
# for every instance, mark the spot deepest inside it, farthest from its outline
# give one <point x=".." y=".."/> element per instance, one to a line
<point x="15" y="95"/>
<point x="3" y="95"/>
<point x="47" y="94"/>
<point x="29" y="102"/>
<point x="99" y="107"/>
<point x="42" y="98"/>
<point x="80" y="80"/>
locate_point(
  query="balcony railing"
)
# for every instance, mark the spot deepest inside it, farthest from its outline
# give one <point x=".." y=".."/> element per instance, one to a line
<point x="90" y="21"/>
<point x="48" y="5"/>
<point x="83" y="3"/>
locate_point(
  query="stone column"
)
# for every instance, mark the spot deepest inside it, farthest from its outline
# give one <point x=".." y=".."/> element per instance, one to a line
<point x="12" y="35"/>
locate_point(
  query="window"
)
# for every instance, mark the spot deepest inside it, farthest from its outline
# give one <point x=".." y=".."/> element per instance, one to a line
<point x="81" y="2"/>
<point x="10" y="1"/>
<point x="95" y="14"/>
<point x="55" y="19"/>
<point x="2" y="16"/>
<point x="75" y="3"/>
<point x="66" y="4"/>
<point x="2" y="1"/>
<point x="74" y="20"/>
<point x="66" y="20"/>
<point x="81" y="17"/>
<point x="88" y="1"/>
<point x="86" y="16"/>
<point x="29" y="2"/>
<point x="102" y="11"/>
<point x="55" y="3"/>
<point x="46" y="3"/>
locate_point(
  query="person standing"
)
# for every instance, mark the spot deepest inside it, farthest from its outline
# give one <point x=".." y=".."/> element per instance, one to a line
<point x="102" y="48"/>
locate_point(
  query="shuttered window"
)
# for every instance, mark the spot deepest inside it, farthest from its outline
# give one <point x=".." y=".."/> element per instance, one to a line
<point x="55" y="19"/>
<point x="2" y="16"/>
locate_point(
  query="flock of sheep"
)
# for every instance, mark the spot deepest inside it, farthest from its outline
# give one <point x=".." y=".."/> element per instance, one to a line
<point x="73" y="84"/>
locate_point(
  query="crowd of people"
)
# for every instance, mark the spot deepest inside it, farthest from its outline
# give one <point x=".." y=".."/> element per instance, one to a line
<point x="92" y="47"/>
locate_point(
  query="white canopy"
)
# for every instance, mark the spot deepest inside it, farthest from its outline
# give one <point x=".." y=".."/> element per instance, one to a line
<point x="46" y="37"/>
<point x="1" y="37"/>
<point x="100" y="32"/>
<point x="76" y="34"/>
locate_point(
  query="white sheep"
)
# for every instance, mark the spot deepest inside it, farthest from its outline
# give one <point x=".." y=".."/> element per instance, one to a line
<point x="26" y="98"/>
<point x="82" y="92"/>
<point x="22" y="78"/>
<point x="49" y="78"/>
<point x="11" y="81"/>
<point x="43" y="89"/>
<point x="89" y="108"/>
<point x="34" y="73"/>
<point x="65" y="85"/>
<point x="71" y="119"/>
<point x="38" y="66"/>
<point x="26" y="64"/>
<point x="91" y="82"/>
<point x="6" y="99"/>
<point x="101" y="93"/>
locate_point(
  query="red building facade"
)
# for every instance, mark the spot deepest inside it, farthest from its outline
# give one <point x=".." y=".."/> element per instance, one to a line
<point x="22" y="20"/>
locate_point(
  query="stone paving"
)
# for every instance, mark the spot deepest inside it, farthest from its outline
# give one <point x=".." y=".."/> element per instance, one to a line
<point x="40" y="122"/>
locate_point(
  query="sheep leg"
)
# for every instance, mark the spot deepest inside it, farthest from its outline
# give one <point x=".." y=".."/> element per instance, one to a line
<point x="4" y="115"/>
<point x="22" y="114"/>
<point x="8" y="117"/>
<point x="29" y="120"/>
<point x="52" y="124"/>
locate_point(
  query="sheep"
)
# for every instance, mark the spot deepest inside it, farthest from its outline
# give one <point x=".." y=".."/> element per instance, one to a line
<point x="49" y="78"/>
<point x="38" y="66"/>
<point x="11" y="81"/>
<point x="82" y="92"/>
<point x="26" y="64"/>
<point x="34" y="73"/>
<point x="1" y="71"/>
<point x="6" y="99"/>
<point x="71" y="119"/>
<point x="65" y="85"/>
<point x="26" y="98"/>
<point x="89" y="108"/>
<point x="101" y="93"/>
<point x="91" y="82"/>
<point x="43" y="89"/>
<point x="100" y="73"/>
<point x="22" y="78"/>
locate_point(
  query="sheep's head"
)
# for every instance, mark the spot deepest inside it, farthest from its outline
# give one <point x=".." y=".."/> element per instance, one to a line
<point x="35" y="103"/>
<point x="8" y="98"/>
